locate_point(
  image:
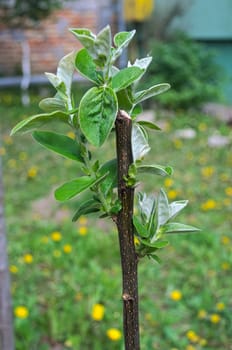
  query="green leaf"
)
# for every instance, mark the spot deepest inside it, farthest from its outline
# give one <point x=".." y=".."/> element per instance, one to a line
<point x="135" y="111"/>
<point x="51" y="104"/>
<point x="149" y="125"/>
<point x="97" y="114"/>
<point x="65" y="71"/>
<point x="125" y="77"/>
<point x="157" y="244"/>
<point x="87" y="207"/>
<point x="155" y="257"/>
<point x="121" y="41"/>
<point x="152" y="91"/>
<point x="85" y="36"/>
<point x="60" y="144"/>
<point x="102" y="47"/>
<point x="39" y="120"/>
<point x="143" y="63"/>
<point x="176" y="207"/>
<point x="124" y="101"/>
<point x="175" y="227"/>
<point x="58" y="84"/>
<point x="72" y="188"/>
<point x="86" y="66"/>
<point x="140" y="228"/>
<point x="146" y="205"/>
<point x="155" y="169"/>
<point x="140" y="146"/>
<point x="110" y="181"/>
<point x="163" y="213"/>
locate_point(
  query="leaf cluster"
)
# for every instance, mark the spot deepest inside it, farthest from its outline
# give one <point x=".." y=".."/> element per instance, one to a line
<point x="92" y="119"/>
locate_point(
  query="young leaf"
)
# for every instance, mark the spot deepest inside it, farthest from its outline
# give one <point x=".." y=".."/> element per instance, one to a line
<point x="163" y="213"/>
<point x="39" y="120"/>
<point x="155" y="257"/>
<point x="142" y="63"/>
<point x="140" y="228"/>
<point x="125" y="77"/>
<point x="149" y="125"/>
<point x="155" y="169"/>
<point x="146" y="205"/>
<point x="110" y="181"/>
<point x="157" y="244"/>
<point x="86" y="66"/>
<point x="58" y="84"/>
<point x="175" y="227"/>
<point x="140" y="146"/>
<point x="176" y="207"/>
<point x="60" y="144"/>
<point x="124" y="101"/>
<point x="87" y="207"/>
<point x="152" y="91"/>
<point x="65" y="71"/>
<point x="85" y="36"/>
<point x="51" y="104"/>
<point x="97" y="114"/>
<point x="102" y="47"/>
<point x="121" y="41"/>
<point x="72" y="188"/>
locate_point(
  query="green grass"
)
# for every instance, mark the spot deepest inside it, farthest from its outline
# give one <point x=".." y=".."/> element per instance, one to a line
<point x="59" y="289"/>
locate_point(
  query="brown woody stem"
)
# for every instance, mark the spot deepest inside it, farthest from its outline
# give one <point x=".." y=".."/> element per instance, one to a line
<point x="129" y="259"/>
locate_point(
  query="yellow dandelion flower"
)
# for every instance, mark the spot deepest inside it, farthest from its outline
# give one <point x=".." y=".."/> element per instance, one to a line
<point x="13" y="269"/>
<point x="56" y="236"/>
<point x="57" y="253"/>
<point x="98" y="311"/>
<point x="7" y="140"/>
<point x="78" y="296"/>
<point x="220" y="306"/>
<point x="67" y="248"/>
<point x="168" y="182"/>
<point x="178" y="143"/>
<point x="202" y="127"/>
<point x="202" y="314"/>
<point x="202" y="342"/>
<point x="71" y="134"/>
<point x="209" y="205"/>
<point x="12" y="163"/>
<point x="21" y="312"/>
<point x="45" y="239"/>
<point x="215" y="318"/>
<point x="207" y="171"/>
<point x="192" y="336"/>
<point x="2" y="151"/>
<point x="23" y="156"/>
<point x="225" y="266"/>
<point x="172" y="194"/>
<point x="225" y="240"/>
<point x="83" y="220"/>
<point x="114" y="334"/>
<point x="32" y="172"/>
<point x="83" y="230"/>
<point x="28" y="258"/>
<point x="228" y="191"/>
<point x="68" y="343"/>
<point x="136" y="240"/>
<point x="190" y="347"/>
<point x="176" y="295"/>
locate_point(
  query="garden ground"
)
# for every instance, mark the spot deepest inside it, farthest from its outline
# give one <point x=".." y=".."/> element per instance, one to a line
<point x="66" y="282"/>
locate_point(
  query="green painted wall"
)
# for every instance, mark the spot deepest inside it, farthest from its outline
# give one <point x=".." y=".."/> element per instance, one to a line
<point x="209" y="21"/>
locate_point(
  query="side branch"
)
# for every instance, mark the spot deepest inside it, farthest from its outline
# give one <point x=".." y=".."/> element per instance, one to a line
<point x="129" y="259"/>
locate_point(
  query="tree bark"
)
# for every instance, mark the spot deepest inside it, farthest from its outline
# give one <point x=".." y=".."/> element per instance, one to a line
<point x="6" y="324"/>
<point x="129" y="259"/>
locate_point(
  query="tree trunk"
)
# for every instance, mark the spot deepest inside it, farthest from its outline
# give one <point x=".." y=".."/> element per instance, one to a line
<point x="129" y="259"/>
<point x="6" y="324"/>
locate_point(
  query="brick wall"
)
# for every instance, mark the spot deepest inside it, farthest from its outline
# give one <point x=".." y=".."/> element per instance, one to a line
<point x="49" y="40"/>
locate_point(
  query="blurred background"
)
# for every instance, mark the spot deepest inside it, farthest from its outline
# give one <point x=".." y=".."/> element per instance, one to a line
<point x="65" y="277"/>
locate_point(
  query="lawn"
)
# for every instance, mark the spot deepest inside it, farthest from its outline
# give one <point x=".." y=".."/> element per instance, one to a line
<point x="66" y="282"/>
